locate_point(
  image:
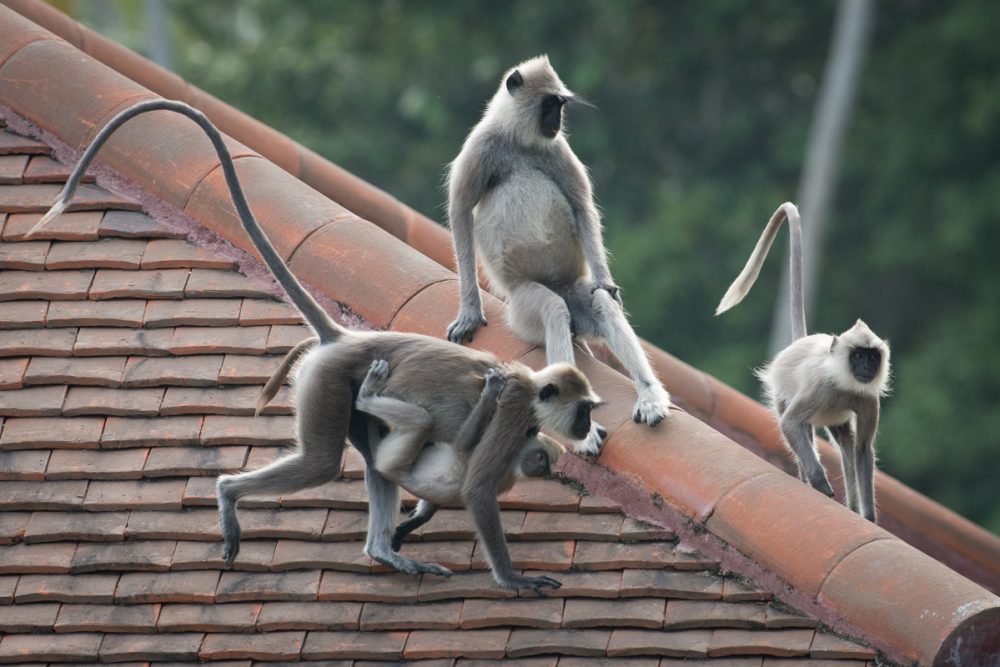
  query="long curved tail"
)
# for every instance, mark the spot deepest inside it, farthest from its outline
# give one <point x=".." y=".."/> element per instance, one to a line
<point x="741" y="286"/>
<point x="315" y="316"/>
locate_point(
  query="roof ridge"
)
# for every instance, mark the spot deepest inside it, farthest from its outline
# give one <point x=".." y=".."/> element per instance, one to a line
<point x="714" y="486"/>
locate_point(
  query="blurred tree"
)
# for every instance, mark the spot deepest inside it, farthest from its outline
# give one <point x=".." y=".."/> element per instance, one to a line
<point x="704" y="109"/>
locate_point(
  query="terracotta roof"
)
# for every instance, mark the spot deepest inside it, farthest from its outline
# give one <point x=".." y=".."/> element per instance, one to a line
<point x="132" y="455"/>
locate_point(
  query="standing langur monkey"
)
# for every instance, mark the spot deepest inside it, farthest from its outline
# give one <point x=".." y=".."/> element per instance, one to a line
<point x="519" y="195"/>
<point x="445" y="380"/>
<point x="821" y="380"/>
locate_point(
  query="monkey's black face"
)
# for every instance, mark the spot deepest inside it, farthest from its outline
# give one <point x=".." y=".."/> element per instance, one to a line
<point x="535" y="463"/>
<point x="581" y="421"/>
<point x="551" y="119"/>
<point x="865" y="363"/>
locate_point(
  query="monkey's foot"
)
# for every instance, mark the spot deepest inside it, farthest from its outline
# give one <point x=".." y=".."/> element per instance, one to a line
<point x="534" y="584"/>
<point x="822" y="484"/>
<point x="229" y="552"/>
<point x="465" y="326"/>
<point x="378" y="373"/>
<point x="496" y="381"/>
<point x="409" y="566"/>
<point x="591" y="445"/>
<point x="652" y="406"/>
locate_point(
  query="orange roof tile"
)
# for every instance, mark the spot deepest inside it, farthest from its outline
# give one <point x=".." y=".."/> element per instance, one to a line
<point x="720" y="504"/>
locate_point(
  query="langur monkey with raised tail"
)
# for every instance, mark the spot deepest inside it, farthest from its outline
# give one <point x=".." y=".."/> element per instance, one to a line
<point x="519" y="196"/>
<point x="444" y="380"/>
<point x="821" y="380"/>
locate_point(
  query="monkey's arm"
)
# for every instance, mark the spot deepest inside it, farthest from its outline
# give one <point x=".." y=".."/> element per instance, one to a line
<point x="489" y="464"/>
<point x="464" y="191"/>
<point x="588" y="223"/>
<point x="799" y="435"/>
<point x="475" y="424"/>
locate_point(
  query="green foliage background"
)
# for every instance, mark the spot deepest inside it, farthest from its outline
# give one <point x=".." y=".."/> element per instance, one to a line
<point x="704" y="109"/>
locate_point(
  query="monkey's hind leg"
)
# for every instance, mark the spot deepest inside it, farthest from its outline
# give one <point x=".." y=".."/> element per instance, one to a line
<point x="383" y="508"/>
<point x="322" y="421"/>
<point x="653" y="402"/>
<point x="539" y="315"/>
<point x="843" y="435"/>
<point x="425" y="512"/>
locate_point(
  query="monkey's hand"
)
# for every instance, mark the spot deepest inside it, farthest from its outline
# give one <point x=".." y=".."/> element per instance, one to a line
<point x="463" y="328"/>
<point x="610" y="288"/>
<point x="378" y="373"/>
<point x="496" y="381"/>
<point x="534" y="584"/>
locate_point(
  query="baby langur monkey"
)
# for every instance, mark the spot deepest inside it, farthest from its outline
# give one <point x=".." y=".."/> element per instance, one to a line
<point x="444" y="379"/>
<point x="822" y="380"/>
<point x="519" y="195"/>
<point x="435" y="472"/>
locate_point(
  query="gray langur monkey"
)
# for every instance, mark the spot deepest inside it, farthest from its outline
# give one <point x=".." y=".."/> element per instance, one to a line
<point x="436" y="472"/>
<point x="821" y="380"/>
<point x="519" y="195"/>
<point x="445" y="379"/>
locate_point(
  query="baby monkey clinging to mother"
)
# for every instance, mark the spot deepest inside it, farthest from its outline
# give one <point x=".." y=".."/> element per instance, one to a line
<point x="519" y="195"/>
<point x="821" y="380"/>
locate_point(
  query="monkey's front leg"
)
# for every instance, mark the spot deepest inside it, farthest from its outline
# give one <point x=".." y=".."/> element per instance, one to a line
<point x="383" y="507"/>
<point x="470" y="312"/>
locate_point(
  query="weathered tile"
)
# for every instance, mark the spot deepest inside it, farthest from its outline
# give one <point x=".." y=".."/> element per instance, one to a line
<point x="784" y="643"/>
<point x="38" y="617"/>
<point x="92" y="371"/>
<point x="261" y="430"/>
<point x="209" y="283"/>
<point x="193" y="312"/>
<point x="78" y="526"/>
<point x="24" y="464"/>
<point x="832" y="647"/>
<point x="232" y="617"/>
<point x="66" y="495"/>
<point x="175" y="646"/>
<point x="354" y="645"/>
<point x="194" y="461"/>
<point x="97" y="464"/>
<point x="267" y="311"/>
<point x="101" y="341"/>
<point x="617" y="555"/>
<point x="101" y="254"/>
<point x="24" y="314"/>
<point x="72" y="647"/>
<point x="120" y="284"/>
<point x="138" y="587"/>
<point x="254" y="556"/>
<point x="50" y="285"/>
<point x="631" y="613"/>
<point x="158" y="525"/>
<point x="68" y="588"/>
<point x="543" y="613"/>
<point x="671" y="584"/>
<point x="71" y="226"/>
<point x="32" y="401"/>
<point x="24" y="256"/>
<point x="688" y="614"/>
<point x="248" y="369"/>
<point x="47" y="342"/>
<point x="117" y="402"/>
<point x="239" y="586"/>
<point x="193" y="371"/>
<point x="138" y="618"/>
<point x="176" y="253"/>
<point x="113" y="313"/>
<point x="49" y="432"/>
<point x="149" y="432"/>
<point x="219" y="340"/>
<point x="390" y="587"/>
<point x="564" y="642"/>
<point x="126" y="495"/>
<point x="151" y="556"/>
<point x="132" y="224"/>
<point x="12" y="372"/>
<point x="679" y="644"/>
<point x="272" y="646"/>
<point x="309" y="616"/>
<point x="571" y="526"/>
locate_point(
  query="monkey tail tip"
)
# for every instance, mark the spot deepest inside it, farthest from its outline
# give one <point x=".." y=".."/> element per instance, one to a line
<point x="53" y="213"/>
<point x="732" y="297"/>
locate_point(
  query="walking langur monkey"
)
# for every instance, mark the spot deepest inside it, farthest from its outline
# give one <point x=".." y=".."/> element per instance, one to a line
<point x="519" y="195"/>
<point x="444" y="379"/>
<point x="821" y="380"/>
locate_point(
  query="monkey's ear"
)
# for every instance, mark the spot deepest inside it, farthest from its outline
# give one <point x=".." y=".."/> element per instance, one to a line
<point x="833" y="344"/>
<point x="548" y="391"/>
<point x="514" y="81"/>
